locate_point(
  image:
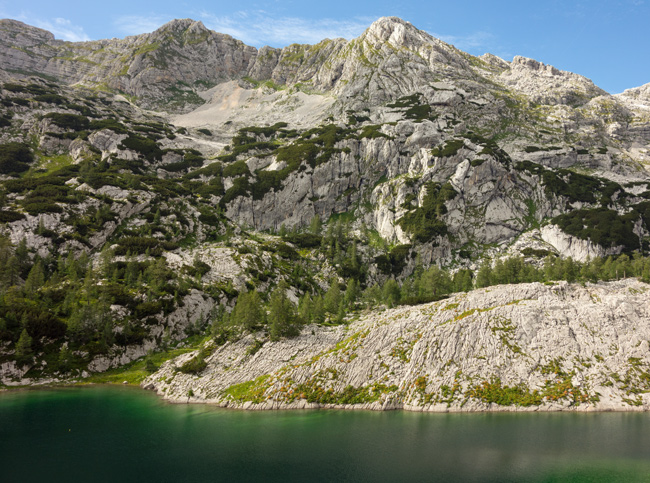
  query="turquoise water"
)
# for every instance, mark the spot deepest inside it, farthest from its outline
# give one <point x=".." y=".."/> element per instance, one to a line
<point x="124" y="434"/>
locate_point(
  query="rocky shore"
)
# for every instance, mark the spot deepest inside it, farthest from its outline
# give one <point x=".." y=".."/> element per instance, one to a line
<point x="528" y="347"/>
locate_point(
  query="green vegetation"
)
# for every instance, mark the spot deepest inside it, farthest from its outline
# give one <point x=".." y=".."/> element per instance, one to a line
<point x="372" y="132"/>
<point x="450" y="148"/>
<point x="425" y="222"/>
<point x="574" y="186"/>
<point x="282" y="319"/>
<point x="249" y="391"/>
<point x="314" y="392"/>
<point x="102" y="281"/>
<point x="494" y="391"/>
<point x="15" y="158"/>
<point x="601" y="226"/>
<point x="196" y="364"/>
<point x="72" y="122"/>
<point x="413" y="109"/>
<point x="145" y="146"/>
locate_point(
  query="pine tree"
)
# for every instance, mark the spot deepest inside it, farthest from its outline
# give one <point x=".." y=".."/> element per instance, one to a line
<point x="13" y="271"/>
<point x="391" y="294"/>
<point x="435" y="282"/>
<point x="484" y="276"/>
<point x="463" y="281"/>
<point x="372" y="295"/>
<point x="332" y="297"/>
<point x="318" y="310"/>
<point x="340" y="315"/>
<point x="105" y="260"/>
<point x="156" y="275"/>
<point x="306" y="309"/>
<point x="22" y="256"/>
<point x="315" y="225"/>
<point x="282" y="315"/>
<point x="24" y="347"/>
<point x="351" y="292"/>
<point x="35" y="279"/>
<point x="248" y="313"/>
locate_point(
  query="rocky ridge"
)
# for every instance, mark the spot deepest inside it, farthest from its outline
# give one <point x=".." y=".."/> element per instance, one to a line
<point x="526" y="347"/>
<point x="412" y="153"/>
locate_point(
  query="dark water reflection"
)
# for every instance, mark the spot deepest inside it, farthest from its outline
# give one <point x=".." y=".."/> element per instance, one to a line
<point x="124" y="434"/>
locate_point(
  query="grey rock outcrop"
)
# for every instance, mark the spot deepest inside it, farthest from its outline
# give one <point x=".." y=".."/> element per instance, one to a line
<point x="573" y="247"/>
<point x="144" y="65"/>
<point x="558" y="347"/>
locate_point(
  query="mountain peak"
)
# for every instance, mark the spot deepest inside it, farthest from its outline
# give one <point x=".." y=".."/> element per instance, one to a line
<point x="29" y="35"/>
<point x="389" y="22"/>
<point x="182" y="24"/>
<point x="390" y="29"/>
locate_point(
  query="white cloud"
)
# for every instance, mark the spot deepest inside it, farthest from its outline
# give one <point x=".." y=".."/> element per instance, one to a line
<point x="135" y="24"/>
<point x="257" y="28"/>
<point x="474" y="41"/>
<point x="61" y="28"/>
<point x="261" y="28"/>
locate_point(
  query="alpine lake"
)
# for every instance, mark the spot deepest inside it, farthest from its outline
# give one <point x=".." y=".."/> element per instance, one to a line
<point x="124" y="434"/>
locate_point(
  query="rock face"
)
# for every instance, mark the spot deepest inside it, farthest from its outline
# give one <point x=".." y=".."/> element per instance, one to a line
<point x="573" y="247"/>
<point x="427" y="155"/>
<point x="518" y="347"/>
<point x="145" y="66"/>
<point x="545" y="84"/>
<point x="412" y="111"/>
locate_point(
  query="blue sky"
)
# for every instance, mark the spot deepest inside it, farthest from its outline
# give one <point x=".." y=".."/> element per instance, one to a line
<point x="607" y="41"/>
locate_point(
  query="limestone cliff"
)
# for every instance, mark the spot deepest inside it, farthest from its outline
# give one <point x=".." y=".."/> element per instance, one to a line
<point x="398" y="151"/>
<point x="519" y="347"/>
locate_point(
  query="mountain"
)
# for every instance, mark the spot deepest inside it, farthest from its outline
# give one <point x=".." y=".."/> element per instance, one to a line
<point x="166" y="186"/>
<point x="529" y="346"/>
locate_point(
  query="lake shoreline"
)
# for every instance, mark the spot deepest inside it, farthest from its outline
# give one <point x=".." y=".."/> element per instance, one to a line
<point x="302" y="405"/>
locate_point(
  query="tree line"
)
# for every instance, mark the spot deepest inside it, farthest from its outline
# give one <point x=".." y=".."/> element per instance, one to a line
<point x="282" y="318"/>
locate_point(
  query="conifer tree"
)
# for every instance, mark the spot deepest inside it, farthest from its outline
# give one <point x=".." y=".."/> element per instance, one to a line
<point x="351" y="292"/>
<point x="306" y="308"/>
<point x="248" y="313"/>
<point x="22" y="256"/>
<point x="391" y="293"/>
<point x="35" y="279"/>
<point x="315" y="225"/>
<point x="484" y="276"/>
<point x="24" y="347"/>
<point x="318" y="310"/>
<point x="463" y="280"/>
<point x="282" y="318"/>
<point x="332" y="297"/>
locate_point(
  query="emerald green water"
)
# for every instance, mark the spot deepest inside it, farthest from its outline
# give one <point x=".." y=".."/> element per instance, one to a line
<point x="125" y="434"/>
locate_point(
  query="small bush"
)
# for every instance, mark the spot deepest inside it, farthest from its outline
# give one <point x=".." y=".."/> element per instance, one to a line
<point x="112" y="124"/>
<point x="50" y="99"/>
<point x="15" y="158"/>
<point x="196" y="364"/>
<point x="10" y="216"/>
<point x="236" y="169"/>
<point x="304" y="240"/>
<point x="144" y="146"/>
<point x="37" y="207"/>
<point x="73" y="122"/>
<point x="425" y="222"/>
<point x="450" y="148"/>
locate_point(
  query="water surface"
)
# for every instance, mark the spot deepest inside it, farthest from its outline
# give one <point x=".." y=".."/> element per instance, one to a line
<point x="122" y="434"/>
